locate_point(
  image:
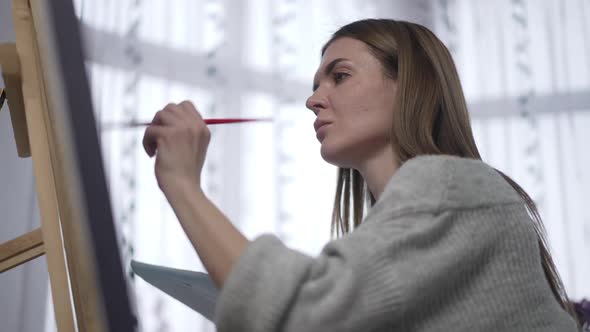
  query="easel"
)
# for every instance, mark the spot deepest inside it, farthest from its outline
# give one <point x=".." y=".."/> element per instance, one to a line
<point x="72" y="279"/>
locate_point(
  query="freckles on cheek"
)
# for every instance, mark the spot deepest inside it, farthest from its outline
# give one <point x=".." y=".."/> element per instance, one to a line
<point x="367" y="97"/>
<point x="358" y="100"/>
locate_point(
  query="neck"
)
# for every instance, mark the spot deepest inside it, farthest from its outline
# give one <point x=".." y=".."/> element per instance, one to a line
<point x="377" y="171"/>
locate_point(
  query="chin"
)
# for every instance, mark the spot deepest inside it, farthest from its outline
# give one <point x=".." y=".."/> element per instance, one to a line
<point x="335" y="156"/>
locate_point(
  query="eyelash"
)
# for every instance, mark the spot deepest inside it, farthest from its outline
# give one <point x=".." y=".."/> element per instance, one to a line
<point x="341" y="74"/>
<point x="335" y="77"/>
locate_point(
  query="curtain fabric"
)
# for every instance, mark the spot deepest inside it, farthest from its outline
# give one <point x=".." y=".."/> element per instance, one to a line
<point x="525" y="69"/>
<point x="523" y="64"/>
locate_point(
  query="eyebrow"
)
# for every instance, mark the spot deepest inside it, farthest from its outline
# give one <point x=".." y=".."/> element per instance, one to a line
<point x="328" y="69"/>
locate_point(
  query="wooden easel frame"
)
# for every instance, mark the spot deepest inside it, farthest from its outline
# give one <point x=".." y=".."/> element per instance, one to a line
<point x="72" y="278"/>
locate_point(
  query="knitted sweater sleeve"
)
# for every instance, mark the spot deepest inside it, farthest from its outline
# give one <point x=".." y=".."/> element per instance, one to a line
<point x="364" y="281"/>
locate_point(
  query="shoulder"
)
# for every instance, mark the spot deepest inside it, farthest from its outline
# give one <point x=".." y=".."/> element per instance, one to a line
<point x="462" y="202"/>
<point x="434" y="183"/>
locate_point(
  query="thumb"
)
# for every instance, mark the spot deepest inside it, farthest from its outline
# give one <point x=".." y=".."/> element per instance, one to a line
<point x="152" y="136"/>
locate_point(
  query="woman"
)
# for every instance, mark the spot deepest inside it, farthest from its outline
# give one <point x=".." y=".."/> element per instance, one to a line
<point x="448" y="243"/>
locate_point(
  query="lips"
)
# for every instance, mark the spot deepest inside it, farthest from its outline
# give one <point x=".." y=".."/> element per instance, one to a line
<point x="318" y="123"/>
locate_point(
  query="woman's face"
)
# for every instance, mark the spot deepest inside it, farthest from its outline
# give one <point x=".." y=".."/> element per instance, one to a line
<point x="354" y="97"/>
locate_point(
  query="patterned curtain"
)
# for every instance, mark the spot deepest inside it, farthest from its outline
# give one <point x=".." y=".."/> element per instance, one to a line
<point x="524" y="66"/>
<point x="231" y="58"/>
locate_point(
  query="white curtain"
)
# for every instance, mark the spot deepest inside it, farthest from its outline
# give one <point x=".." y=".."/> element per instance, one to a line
<point x="232" y="59"/>
<point x="525" y="69"/>
<point x="257" y="58"/>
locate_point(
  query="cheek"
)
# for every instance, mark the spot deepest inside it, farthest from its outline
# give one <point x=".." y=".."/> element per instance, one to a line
<point x="363" y="116"/>
<point x="365" y="119"/>
<point x="354" y="139"/>
<point x="368" y="130"/>
<point x="349" y="149"/>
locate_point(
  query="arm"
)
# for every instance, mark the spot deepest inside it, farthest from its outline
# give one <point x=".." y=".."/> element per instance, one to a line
<point x="218" y="243"/>
<point x="476" y="268"/>
<point x="178" y="137"/>
<point x="367" y="280"/>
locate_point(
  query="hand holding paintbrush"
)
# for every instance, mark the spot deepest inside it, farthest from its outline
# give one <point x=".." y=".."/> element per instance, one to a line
<point x="179" y="137"/>
<point x="134" y="124"/>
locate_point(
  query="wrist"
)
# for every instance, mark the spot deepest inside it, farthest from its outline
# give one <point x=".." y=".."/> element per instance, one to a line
<point x="176" y="188"/>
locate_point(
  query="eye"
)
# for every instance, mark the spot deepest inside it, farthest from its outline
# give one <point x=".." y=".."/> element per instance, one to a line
<point x="338" y="77"/>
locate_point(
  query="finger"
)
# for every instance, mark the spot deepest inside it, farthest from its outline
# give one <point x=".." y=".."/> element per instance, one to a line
<point x="150" y="139"/>
<point x="188" y="106"/>
<point x="177" y="112"/>
<point x="172" y="108"/>
<point x="165" y="116"/>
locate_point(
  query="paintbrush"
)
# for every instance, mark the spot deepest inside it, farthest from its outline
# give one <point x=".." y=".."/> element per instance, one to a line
<point x="135" y="124"/>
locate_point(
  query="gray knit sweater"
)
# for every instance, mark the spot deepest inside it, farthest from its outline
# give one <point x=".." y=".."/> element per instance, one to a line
<point x="448" y="246"/>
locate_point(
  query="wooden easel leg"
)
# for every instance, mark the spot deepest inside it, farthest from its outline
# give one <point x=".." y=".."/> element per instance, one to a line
<point x="71" y="275"/>
<point x="21" y="250"/>
<point x="42" y="165"/>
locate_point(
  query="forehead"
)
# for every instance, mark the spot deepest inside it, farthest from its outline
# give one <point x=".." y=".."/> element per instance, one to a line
<point x="345" y="47"/>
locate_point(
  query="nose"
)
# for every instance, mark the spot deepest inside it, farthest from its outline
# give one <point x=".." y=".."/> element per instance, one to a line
<point x="315" y="103"/>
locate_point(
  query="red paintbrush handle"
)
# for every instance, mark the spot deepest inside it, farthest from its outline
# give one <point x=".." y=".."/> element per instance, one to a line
<point x="207" y="121"/>
<point x="220" y="121"/>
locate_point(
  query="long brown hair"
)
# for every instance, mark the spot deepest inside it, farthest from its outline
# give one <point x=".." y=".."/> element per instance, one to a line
<point x="430" y="117"/>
